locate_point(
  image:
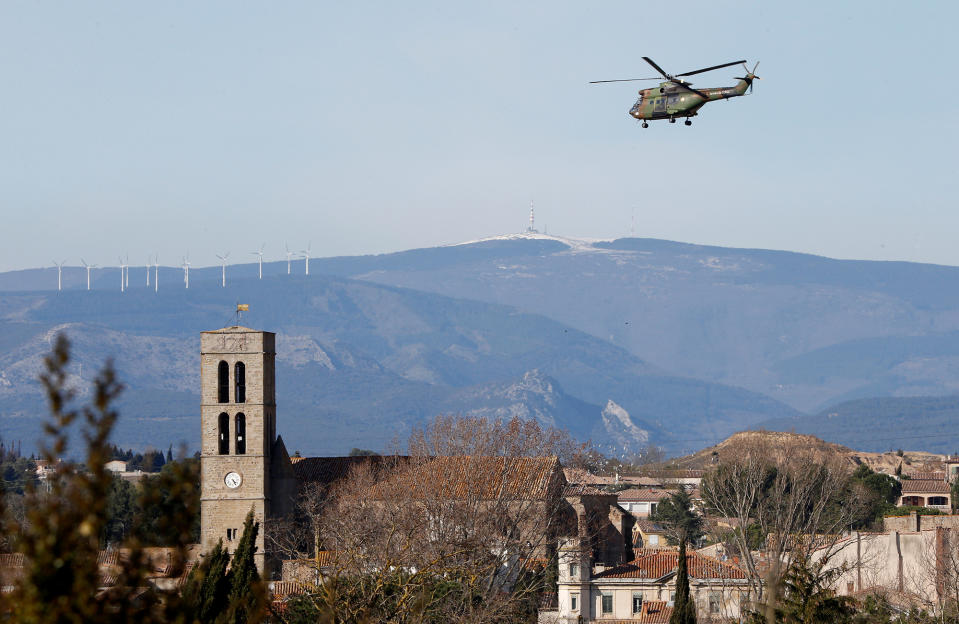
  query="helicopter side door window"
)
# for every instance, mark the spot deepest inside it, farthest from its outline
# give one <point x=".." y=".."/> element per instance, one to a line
<point x="659" y="106"/>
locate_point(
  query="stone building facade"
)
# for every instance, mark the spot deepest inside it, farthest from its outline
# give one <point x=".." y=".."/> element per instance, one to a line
<point x="243" y="463"/>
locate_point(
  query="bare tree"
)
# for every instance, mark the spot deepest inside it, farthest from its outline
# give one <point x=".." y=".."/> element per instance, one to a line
<point x="459" y="530"/>
<point x="799" y="498"/>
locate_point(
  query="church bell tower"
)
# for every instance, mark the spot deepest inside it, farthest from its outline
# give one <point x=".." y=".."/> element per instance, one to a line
<point x="238" y="414"/>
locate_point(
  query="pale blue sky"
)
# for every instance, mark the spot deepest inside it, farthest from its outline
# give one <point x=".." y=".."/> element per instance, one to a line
<point x="378" y="126"/>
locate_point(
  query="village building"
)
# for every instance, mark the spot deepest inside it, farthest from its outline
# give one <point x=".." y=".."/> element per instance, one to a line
<point x="641" y="502"/>
<point x="588" y="591"/>
<point x="245" y="466"/>
<point x="934" y="493"/>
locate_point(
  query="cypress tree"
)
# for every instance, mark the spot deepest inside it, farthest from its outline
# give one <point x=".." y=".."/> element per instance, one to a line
<point x="207" y="589"/>
<point x="247" y="599"/>
<point x="684" y="609"/>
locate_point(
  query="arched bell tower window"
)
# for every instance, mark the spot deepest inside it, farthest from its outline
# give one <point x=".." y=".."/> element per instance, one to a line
<point x="224" y="430"/>
<point x="240" y="434"/>
<point x="239" y="377"/>
<point x="223" y="382"/>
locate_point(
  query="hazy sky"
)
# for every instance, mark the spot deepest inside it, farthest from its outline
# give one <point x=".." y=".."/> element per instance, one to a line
<point x="362" y="127"/>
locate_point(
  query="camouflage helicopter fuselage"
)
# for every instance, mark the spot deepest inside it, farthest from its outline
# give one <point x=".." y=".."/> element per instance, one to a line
<point x="671" y="101"/>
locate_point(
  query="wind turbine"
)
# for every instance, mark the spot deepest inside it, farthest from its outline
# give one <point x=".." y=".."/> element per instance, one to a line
<point x="122" y="274"/>
<point x="148" y="271"/>
<point x="186" y="271"/>
<point x="260" y="254"/>
<point x="289" y="254"/>
<point x="223" y="260"/>
<point x="156" y="276"/>
<point x="306" y="254"/>
<point x="59" y="274"/>
<point x="126" y="280"/>
<point x="88" y="267"/>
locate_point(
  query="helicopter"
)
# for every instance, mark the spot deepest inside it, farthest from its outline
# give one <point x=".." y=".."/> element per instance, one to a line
<point x="676" y="97"/>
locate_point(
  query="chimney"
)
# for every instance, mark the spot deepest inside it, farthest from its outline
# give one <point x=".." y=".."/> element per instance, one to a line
<point x="915" y="521"/>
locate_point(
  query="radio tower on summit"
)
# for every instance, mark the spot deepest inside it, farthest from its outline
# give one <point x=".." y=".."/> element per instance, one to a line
<point x="531" y="227"/>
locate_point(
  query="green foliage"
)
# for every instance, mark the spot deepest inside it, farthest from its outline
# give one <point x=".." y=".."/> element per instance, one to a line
<point x="882" y="489"/>
<point x="684" y="607"/>
<point x="358" y="452"/>
<point x="63" y="524"/>
<point x="682" y="521"/>
<point x="247" y="598"/>
<point x="805" y="597"/>
<point x="207" y="588"/>
<point x="170" y="494"/>
<point x="906" y="510"/>
<point x="121" y="506"/>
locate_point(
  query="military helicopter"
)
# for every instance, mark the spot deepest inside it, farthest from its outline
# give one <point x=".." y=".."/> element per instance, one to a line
<point x="676" y="97"/>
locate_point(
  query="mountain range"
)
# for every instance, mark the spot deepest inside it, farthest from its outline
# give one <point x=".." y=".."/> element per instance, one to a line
<point x="626" y="342"/>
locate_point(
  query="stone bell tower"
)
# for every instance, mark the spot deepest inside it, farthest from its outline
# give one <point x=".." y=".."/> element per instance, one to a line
<point x="238" y="413"/>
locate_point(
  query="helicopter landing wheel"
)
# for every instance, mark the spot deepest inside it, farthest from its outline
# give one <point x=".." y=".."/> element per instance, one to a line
<point x="645" y="124"/>
<point x="671" y="120"/>
<point x="689" y="123"/>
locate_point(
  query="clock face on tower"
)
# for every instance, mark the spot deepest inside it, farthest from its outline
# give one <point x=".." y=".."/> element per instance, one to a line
<point x="233" y="480"/>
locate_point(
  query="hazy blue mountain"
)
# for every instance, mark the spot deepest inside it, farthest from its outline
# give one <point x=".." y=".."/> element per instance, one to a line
<point x="883" y="424"/>
<point x="358" y="364"/>
<point x="746" y="317"/>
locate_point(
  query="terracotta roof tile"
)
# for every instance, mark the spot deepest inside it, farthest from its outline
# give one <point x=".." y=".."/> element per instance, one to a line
<point x="642" y="495"/>
<point x="584" y="490"/>
<point x="924" y="486"/>
<point x="328" y="470"/>
<point x="648" y="526"/>
<point x="482" y="478"/>
<point x="654" y="564"/>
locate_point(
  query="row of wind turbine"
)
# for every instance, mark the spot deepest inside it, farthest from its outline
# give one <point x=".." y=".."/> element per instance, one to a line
<point x="154" y="263"/>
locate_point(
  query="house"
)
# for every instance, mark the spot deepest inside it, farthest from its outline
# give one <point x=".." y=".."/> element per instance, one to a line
<point x="934" y="493"/>
<point x="648" y="534"/>
<point x="588" y="592"/>
<point x="641" y="501"/>
<point x="117" y="465"/>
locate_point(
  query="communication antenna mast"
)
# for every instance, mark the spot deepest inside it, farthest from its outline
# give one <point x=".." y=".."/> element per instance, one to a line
<point x="223" y="260"/>
<point x="156" y="276"/>
<point x="89" y="267"/>
<point x="531" y="218"/>
<point x="186" y="271"/>
<point x="260" y="254"/>
<point x="306" y="255"/>
<point x="289" y="254"/>
<point x="59" y="274"/>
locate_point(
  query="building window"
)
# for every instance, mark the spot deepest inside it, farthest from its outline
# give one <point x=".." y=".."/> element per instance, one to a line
<point x="224" y="430"/>
<point x="574" y="602"/>
<point x="240" y="434"/>
<point x="239" y="378"/>
<point x="573" y="570"/>
<point x="637" y="602"/>
<point x="653" y="540"/>
<point x="938" y="500"/>
<point x="715" y="602"/>
<point x="607" y="604"/>
<point x="850" y="587"/>
<point x="223" y="382"/>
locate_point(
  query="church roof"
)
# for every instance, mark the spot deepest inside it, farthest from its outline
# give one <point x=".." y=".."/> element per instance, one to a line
<point x="655" y="564"/>
<point x="235" y="329"/>
<point x="477" y="477"/>
<point x="328" y="470"/>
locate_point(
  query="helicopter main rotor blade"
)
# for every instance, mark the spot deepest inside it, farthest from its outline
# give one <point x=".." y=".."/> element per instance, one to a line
<point x="699" y="71"/>
<point x="656" y="67"/>
<point x="689" y="88"/>
<point x="623" y="80"/>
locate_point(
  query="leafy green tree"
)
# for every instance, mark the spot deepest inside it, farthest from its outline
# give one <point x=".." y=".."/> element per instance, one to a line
<point x="684" y="607"/>
<point x="121" y="506"/>
<point x="208" y="586"/>
<point x="805" y="597"/>
<point x="681" y="520"/>
<point x="60" y="535"/>
<point x="247" y="598"/>
<point x="170" y="494"/>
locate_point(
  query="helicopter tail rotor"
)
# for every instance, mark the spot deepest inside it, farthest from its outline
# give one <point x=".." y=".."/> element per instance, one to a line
<point x="750" y="75"/>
